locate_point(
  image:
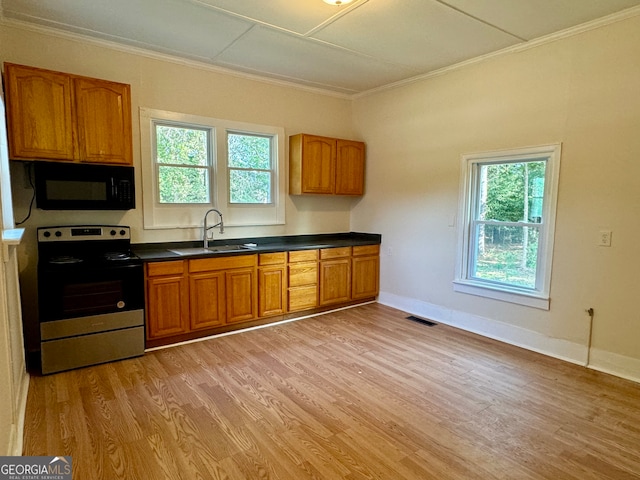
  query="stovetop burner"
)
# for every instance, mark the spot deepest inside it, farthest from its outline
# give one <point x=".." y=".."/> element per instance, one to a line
<point x="117" y="256"/>
<point x="64" y="260"/>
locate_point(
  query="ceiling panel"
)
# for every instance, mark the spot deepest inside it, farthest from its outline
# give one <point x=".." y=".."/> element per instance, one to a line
<point x="163" y="25"/>
<point x="422" y="34"/>
<point x="534" y="18"/>
<point x="299" y="16"/>
<point x="265" y="50"/>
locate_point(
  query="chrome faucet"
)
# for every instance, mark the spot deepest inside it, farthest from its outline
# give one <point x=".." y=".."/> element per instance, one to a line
<point x="205" y="240"/>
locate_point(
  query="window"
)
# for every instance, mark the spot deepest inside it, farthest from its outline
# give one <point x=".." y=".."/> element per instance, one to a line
<point x="192" y="163"/>
<point x="508" y="204"/>
<point x="250" y="168"/>
<point x="183" y="163"/>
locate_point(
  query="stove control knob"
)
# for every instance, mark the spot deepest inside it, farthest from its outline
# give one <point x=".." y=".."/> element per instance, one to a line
<point x="47" y="234"/>
<point x="122" y="233"/>
<point x="112" y="232"/>
<point x="58" y="233"/>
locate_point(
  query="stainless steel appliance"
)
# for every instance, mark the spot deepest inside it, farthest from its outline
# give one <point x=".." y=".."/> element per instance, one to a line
<point x="78" y="186"/>
<point x="90" y="294"/>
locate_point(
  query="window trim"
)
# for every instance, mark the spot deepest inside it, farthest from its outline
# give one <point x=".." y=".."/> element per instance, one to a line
<point x="166" y="216"/>
<point x="463" y="282"/>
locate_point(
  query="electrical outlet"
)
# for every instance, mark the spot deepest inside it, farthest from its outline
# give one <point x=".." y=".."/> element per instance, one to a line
<point x="604" y="238"/>
<point x="389" y="251"/>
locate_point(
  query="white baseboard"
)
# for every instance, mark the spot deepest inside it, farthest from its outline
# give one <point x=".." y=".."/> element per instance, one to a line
<point x="615" y="364"/>
<point x="17" y="429"/>
<point x="604" y="361"/>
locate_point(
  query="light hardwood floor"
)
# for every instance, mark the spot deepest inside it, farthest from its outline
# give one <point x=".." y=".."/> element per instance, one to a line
<point x="356" y="394"/>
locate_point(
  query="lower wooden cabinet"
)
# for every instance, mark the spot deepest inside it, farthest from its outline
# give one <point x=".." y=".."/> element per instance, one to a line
<point x="190" y="295"/>
<point x="184" y="297"/>
<point x="167" y="299"/>
<point x="242" y="295"/>
<point x="229" y="293"/>
<point x="207" y="295"/>
<point x="335" y="275"/>
<point x="303" y="280"/>
<point x="272" y="284"/>
<point x="365" y="271"/>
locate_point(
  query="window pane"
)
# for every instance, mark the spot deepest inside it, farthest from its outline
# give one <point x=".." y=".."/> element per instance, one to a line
<point x="511" y="192"/>
<point x="183" y="184"/>
<point x="181" y="146"/>
<point x="249" y="151"/>
<point x="250" y="186"/>
<point x="507" y="254"/>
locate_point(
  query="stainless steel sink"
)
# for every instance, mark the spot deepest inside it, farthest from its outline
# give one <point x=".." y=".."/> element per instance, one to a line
<point x="210" y="250"/>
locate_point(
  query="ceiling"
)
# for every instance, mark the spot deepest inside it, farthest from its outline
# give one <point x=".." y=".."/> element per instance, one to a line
<point x="348" y="49"/>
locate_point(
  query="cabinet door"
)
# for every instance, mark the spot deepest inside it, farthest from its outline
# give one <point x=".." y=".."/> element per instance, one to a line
<point x="365" y="277"/>
<point x="349" y="168"/>
<point x="335" y="281"/>
<point x="207" y="294"/>
<point x="167" y="306"/>
<point x="242" y="295"/>
<point x="272" y="291"/>
<point x="104" y="121"/>
<point x="318" y="164"/>
<point x="39" y="114"/>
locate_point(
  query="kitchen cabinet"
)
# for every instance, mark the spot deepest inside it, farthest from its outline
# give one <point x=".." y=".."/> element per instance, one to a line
<point x="229" y="292"/>
<point x="272" y="284"/>
<point x="365" y="268"/>
<point x="195" y="297"/>
<point x="335" y="275"/>
<point x="58" y="116"/>
<point x="207" y="298"/>
<point x="104" y="121"/>
<point x="167" y="299"/>
<point x="325" y="165"/>
<point x="303" y="280"/>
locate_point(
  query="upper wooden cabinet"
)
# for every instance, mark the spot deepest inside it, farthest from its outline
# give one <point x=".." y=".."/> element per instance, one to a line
<point x="324" y="165"/>
<point x="104" y="121"/>
<point x="57" y="116"/>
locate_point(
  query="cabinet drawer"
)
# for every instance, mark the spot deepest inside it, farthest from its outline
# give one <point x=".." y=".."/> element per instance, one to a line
<point x="303" y="256"/>
<point x="302" y="298"/>
<point x="221" y="263"/>
<point x="326" y="253"/>
<point x="276" y="258"/>
<point x="156" y="269"/>
<point x="366" y="250"/>
<point x="303" y="274"/>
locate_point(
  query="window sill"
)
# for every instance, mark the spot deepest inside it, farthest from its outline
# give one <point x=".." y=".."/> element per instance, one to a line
<point x="521" y="298"/>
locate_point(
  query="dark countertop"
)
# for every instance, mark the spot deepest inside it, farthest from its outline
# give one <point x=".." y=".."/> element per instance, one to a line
<point x="153" y="252"/>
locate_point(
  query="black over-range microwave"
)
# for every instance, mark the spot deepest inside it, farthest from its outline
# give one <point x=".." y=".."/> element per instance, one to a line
<point x="77" y="186"/>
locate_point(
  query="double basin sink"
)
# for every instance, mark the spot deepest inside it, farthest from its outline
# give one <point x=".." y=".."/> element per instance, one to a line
<point x="236" y="248"/>
<point x="210" y="250"/>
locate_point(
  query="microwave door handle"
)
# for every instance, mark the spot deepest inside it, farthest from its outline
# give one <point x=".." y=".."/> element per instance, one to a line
<point x="114" y="188"/>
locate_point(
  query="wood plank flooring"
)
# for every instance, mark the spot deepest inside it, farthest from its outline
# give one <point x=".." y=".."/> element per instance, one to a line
<point x="357" y="394"/>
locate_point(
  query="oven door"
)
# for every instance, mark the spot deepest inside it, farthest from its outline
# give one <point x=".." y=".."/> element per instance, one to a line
<point x="74" y="291"/>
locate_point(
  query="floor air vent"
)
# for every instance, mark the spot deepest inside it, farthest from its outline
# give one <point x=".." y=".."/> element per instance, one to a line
<point x="421" y="320"/>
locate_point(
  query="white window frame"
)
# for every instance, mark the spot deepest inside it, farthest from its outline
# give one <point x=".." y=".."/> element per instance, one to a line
<point x="537" y="297"/>
<point x="164" y="216"/>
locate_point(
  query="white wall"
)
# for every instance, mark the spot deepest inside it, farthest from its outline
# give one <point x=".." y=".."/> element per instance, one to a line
<point x="581" y="91"/>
